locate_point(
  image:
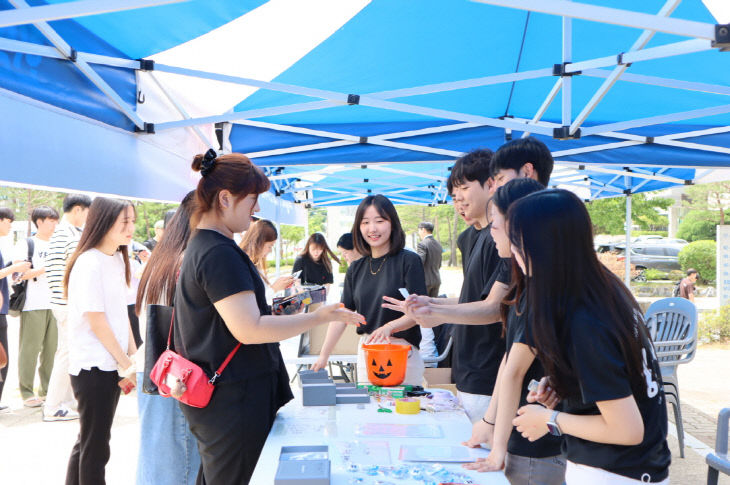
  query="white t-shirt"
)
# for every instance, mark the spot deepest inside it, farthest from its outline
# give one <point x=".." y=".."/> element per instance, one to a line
<point x="96" y="284"/>
<point x="37" y="295"/>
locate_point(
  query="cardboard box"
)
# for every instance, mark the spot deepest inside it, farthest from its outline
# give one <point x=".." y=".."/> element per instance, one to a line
<point x="438" y="378"/>
<point x="347" y="345"/>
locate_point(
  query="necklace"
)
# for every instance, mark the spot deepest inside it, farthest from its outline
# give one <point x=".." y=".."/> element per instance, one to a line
<point x="381" y="265"/>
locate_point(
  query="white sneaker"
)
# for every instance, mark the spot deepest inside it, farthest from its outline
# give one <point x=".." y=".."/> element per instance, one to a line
<point x="61" y="414"/>
<point x="5" y="409"/>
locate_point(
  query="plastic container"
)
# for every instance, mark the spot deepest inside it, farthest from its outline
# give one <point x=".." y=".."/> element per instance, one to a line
<point x="386" y="363"/>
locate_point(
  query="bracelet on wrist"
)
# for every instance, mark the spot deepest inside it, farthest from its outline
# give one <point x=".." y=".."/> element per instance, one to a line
<point x="485" y="420"/>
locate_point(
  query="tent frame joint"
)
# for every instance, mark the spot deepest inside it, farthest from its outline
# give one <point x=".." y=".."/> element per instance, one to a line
<point x="563" y="133"/>
<point x="363" y="140"/>
<point x="649" y="140"/>
<point x="148" y="128"/>
<point x="722" y="37"/>
<point x="620" y="60"/>
<point x="353" y="99"/>
<point x="560" y="70"/>
<point x="146" y="65"/>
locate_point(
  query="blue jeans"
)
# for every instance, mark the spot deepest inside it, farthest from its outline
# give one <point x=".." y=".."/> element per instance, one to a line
<point x="168" y="451"/>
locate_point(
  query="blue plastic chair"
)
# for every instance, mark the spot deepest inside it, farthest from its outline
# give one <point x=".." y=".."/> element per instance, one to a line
<point x="672" y="324"/>
<point x="719" y="461"/>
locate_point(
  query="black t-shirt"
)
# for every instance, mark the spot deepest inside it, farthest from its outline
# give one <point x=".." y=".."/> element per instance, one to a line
<point x="602" y="376"/>
<point x="465" y="242"/>
<point x="478" y="349"/>
<point x="313" y="273"/>
<point x="213" y="268"/>
<point x="548" y="445"/>
<point x="363" y="291"/>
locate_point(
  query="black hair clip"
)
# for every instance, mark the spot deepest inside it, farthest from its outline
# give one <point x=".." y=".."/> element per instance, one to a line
<point x="208" y="162"/>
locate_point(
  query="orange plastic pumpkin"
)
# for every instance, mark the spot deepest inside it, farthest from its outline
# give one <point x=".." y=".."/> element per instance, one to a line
<point x="386" y="363"/>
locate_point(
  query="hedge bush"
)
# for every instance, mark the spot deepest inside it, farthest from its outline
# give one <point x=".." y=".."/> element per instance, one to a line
<point x="715" y="326"/>
<point x="654" y="274"/>
<point x="700" y="255"/>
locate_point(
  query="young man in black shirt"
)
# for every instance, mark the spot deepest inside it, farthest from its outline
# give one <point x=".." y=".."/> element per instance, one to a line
<point x="478" y="350"/>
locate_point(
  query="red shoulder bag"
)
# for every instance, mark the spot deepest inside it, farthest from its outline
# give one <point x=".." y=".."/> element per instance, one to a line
<point x="177" y="377"/>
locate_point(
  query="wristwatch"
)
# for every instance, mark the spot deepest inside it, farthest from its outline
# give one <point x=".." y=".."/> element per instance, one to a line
<point x="552" y="424"/>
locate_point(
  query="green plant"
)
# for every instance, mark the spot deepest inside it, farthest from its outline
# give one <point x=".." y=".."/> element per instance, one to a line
<point x="649" y="233"/>
<point x="654" y="274"/>
<point x="700" y="255"/>
<point x="715" y="326"/>
<point x="676" y="275"/>
<point x="343" y="266"/>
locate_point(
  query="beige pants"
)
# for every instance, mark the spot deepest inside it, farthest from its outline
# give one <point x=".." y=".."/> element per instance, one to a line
<point x="414" y="367"/>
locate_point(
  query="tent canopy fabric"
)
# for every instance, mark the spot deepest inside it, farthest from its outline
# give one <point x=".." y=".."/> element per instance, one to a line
<point x="338" y="99"/>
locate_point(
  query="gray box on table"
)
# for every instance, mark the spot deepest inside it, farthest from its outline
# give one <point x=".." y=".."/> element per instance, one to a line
<point x="352" y="398"/>
<point x="303" y="465"/>
<point x="319" y="393"/>
<point x="311" y="375"/>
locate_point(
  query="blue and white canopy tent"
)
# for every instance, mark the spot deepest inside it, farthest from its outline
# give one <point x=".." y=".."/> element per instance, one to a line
<point x="341" y="98"/>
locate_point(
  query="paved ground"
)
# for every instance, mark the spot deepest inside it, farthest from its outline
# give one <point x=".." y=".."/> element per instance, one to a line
<point x="34" y="452"/>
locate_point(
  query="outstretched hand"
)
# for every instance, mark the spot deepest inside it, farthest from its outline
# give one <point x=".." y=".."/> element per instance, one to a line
<point x="338" y="312"/>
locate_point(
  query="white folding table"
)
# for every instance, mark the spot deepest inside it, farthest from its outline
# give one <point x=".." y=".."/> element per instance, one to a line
<point x="335" y="426"/>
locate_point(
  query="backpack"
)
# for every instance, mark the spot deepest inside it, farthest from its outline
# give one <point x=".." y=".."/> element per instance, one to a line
<point x="675" y="291"/>
<point x="17" y="299"/>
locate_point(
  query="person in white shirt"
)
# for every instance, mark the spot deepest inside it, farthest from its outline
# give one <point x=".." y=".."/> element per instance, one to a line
<point x="60" y="404"/>
<point x="38" y="332"/>
<point x="100" y="338"/>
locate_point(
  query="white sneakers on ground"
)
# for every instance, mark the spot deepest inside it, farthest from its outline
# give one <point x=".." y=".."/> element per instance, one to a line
<point x="60" y="414"/>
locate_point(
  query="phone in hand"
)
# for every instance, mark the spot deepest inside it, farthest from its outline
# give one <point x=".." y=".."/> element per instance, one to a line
<point x="404" y="292"/>
<point x="126" y="385"/>
<point x="296" y="274"/>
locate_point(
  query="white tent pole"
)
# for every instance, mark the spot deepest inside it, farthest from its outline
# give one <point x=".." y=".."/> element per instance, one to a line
<point x="567" y="92"/>
<point x="667" y="50"/>
<point x="655" y="120"/>
<point x="640" y="43"/>
<point x="79" y="8"/>
<point x="546" y="104"/>
<point x="661" y="81"/>
<point x="195" y="129"/>
<point x="637" y="174"/>
<point x="84" y="67"/>
<point x="627" y="18"/>
<point x="627" y="252"/>
<point x="278" y="239"/>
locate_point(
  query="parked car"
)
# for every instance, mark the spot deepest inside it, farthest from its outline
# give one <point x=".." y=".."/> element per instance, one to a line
<point x="662" y="257"/>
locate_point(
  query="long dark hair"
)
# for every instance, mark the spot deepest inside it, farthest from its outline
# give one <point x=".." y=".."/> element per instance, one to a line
<point x="386" y="209"/>
<point x="318" y="239"/>
<point x="553" y="233"/>
<point x="260" y="233"/>
<point x="233" y="172"/>
<point x="103" y="213"/>
<point x="159" y="276"/>
<point x="503" y="198"/>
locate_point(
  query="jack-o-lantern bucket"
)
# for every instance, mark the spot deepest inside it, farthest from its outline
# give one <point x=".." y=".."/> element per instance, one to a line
<point x="386" y="363"/>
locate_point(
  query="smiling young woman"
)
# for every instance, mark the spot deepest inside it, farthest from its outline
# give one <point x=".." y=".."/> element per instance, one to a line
<point x="385" y="267"/>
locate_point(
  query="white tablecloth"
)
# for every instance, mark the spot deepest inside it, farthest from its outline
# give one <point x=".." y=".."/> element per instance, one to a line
<point x="335" y="426"/>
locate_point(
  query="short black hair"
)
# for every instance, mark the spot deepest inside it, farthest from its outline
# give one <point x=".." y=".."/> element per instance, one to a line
<point x="516" y="153"/>
<point x="692" y="271"/>
<point x="513" y="190"/>
<point x="72" y="200"/>
<point x="345" y="241"/>
<point x="426" y="225"/>
<point x="6" y="213"/>
<point x="43" y="212"/>
<point x="475" y="165"/>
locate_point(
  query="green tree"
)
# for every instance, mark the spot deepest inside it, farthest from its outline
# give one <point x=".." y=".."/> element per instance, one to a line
<point x="446" y="226"/>
<point x="708" y="197"/>
<point x="23" y="201"/>
<point x="290" y="235"/>
<point x="317" y="220"/>
<point x="698" y="225"/>
<point x="147" y="214"/>
<point x="608" y="215"/>
<point x="702" y="256"/>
